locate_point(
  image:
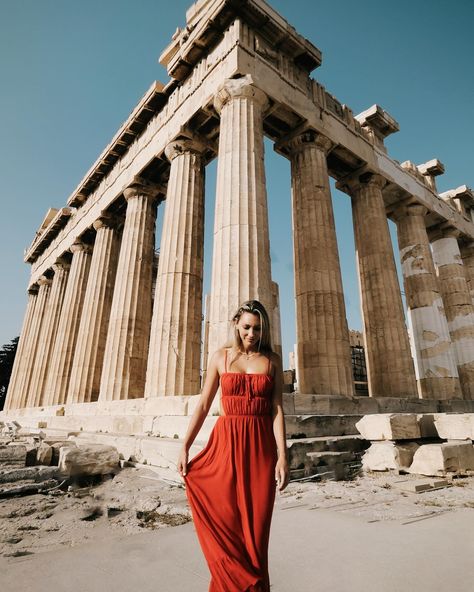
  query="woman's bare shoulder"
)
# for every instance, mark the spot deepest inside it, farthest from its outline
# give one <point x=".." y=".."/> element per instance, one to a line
<point x="219" y="355"/>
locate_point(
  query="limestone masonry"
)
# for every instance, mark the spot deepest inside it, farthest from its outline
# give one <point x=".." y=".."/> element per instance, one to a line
<point x="111" y="339"/>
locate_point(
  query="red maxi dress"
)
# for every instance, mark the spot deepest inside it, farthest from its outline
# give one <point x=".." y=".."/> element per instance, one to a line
<point x="230" y="485"/>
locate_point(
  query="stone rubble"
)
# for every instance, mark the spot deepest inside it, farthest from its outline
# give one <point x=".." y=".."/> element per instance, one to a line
<point x="433" y="444"/>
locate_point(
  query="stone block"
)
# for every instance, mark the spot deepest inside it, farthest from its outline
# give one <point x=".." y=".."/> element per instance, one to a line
<point x="383" y="456"/>
<point x="56" y="447"/>
<point x="456" y="426"/>
<point x="309" y="426"/>
<point x="426" y="421"/>
<point x="44" y="454"/>
<point x="389" y="426"/>
<point x="88" y="459"/>
<point x="13" y="455"/>
<point x="437" y="460"/>
<point x="36" y="474"/>
<point x="288" y="403"/>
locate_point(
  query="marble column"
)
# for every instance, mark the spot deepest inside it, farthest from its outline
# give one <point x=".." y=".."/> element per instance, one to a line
<point x="323" y="351"/>
<point x="241" y="266"/>
<point x="457" y="303"/>
<point x="467" y="254"/>
<point x="125" y="356"/>
<point x="175" y="344"/>
<point x="86" y="371"/>
<point x="435" y="364"/>
<point x="26" y="396"/>
<point x="48" y="331"/>
<point x="390" y="368"/>
<point x="65" y="343"/>
<point x="13" y="394"/>
<point x="275" y="321"/>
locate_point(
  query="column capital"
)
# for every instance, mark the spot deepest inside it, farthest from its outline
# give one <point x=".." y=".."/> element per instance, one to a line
<point x="298" y="142"/>
<point x="44" y="281"/>
<point x="79" y="246"/>
<point x="443" y="230"/>
<point x="354" y="183"/>
<point x="235" y="88"/>
<point x="183" y="145"/>
<point x="60" y="265"/>
<point x="467" y="249"/>
<point x="33" y="289"/>
<point x="140" y="187"/>
<point x="106" y="220"/>
<point x="409" y="209"/>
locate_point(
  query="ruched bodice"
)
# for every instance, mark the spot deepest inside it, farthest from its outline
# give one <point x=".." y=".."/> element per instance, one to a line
<point x="246" y="394"/>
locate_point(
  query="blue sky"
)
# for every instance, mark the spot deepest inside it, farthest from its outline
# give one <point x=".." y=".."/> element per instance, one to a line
<point x="71" y="72"/>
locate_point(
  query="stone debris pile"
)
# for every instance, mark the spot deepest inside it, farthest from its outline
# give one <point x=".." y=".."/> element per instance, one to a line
<point x="436" y="444"/>
<point x="36" y="463"/>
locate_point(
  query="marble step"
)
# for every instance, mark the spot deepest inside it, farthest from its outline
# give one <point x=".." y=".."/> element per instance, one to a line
<point x="307" y="404"/>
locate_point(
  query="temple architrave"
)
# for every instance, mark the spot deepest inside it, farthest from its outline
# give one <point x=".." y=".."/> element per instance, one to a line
<point x="113" y="339"/>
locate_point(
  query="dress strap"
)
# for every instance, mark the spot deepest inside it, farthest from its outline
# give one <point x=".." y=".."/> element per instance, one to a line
<point x="225" y="360"/>
<point x="269" y="366"/>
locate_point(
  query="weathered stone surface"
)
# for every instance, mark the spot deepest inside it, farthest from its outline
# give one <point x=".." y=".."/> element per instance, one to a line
<point x="308" y="426"/>
<point x="36" y="474"/>
<point x="44" y="454"/>
<point x="13" y="454"/>
<point x="17" y="489"/>
<point x="323" y="363"/>
<point x="426" y="421"/>
<point x="389" y="426"/>
<point x="56" y="448"/>
<point x="459" y="426"/>
<point x="382" y="456"/>
<point x="390" y="369"/>
<point x="435" y="365"/>
<point x="439" y="459"/>
<point x="88" y="459"/>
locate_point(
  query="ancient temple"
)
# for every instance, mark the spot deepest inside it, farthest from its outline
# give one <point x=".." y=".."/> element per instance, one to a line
<point x="111" y="341"/>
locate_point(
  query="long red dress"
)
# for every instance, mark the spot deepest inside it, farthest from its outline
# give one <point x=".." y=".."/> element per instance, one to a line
<point x="230" y="486"/>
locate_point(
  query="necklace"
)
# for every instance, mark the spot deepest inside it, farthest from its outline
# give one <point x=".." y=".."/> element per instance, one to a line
<point x="248" y="356"/>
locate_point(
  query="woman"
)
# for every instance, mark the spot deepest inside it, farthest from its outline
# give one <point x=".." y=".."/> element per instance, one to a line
<point x="230" y="484"/>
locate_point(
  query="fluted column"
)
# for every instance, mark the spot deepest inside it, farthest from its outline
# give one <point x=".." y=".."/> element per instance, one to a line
<point x="12" y="400"/>
<point x="86" y="371"/>
<point x="322" y="336"/>
<point x="241" y="267"/>
<point x="457" y="303"/>
<point x="175" y="344"/>
<point x="48" y="331"/>
<point x="276" y="320"/>
<point x="467" y="254"/>
<point x="26" y="396"/>
<point x="435" y="364"/>
<point x="125" y="356"/>
<point x="390" y="366"/>
<point x="66" y="337"/>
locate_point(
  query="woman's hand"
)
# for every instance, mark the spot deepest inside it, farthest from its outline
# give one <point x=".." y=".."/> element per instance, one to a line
<point x="282" y="473"/>
<point x="183" y="462"/>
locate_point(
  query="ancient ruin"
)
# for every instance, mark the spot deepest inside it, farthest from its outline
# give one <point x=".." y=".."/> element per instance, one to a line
<point x="111" y="339"/>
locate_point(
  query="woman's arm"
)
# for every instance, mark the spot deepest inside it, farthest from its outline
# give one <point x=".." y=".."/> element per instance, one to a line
<point x="282" y="473"/>
<point x="208" y="393"/>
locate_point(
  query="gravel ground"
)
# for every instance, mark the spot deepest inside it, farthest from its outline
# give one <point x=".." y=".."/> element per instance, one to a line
<point x="136" y="499"/>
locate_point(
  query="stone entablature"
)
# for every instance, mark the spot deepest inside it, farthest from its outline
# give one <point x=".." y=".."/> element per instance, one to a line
<point x="294" y="97"/>
<point x="241" y="72"/>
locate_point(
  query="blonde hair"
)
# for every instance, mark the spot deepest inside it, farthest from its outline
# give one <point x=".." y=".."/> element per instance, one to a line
<point x="256" y="308"/>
